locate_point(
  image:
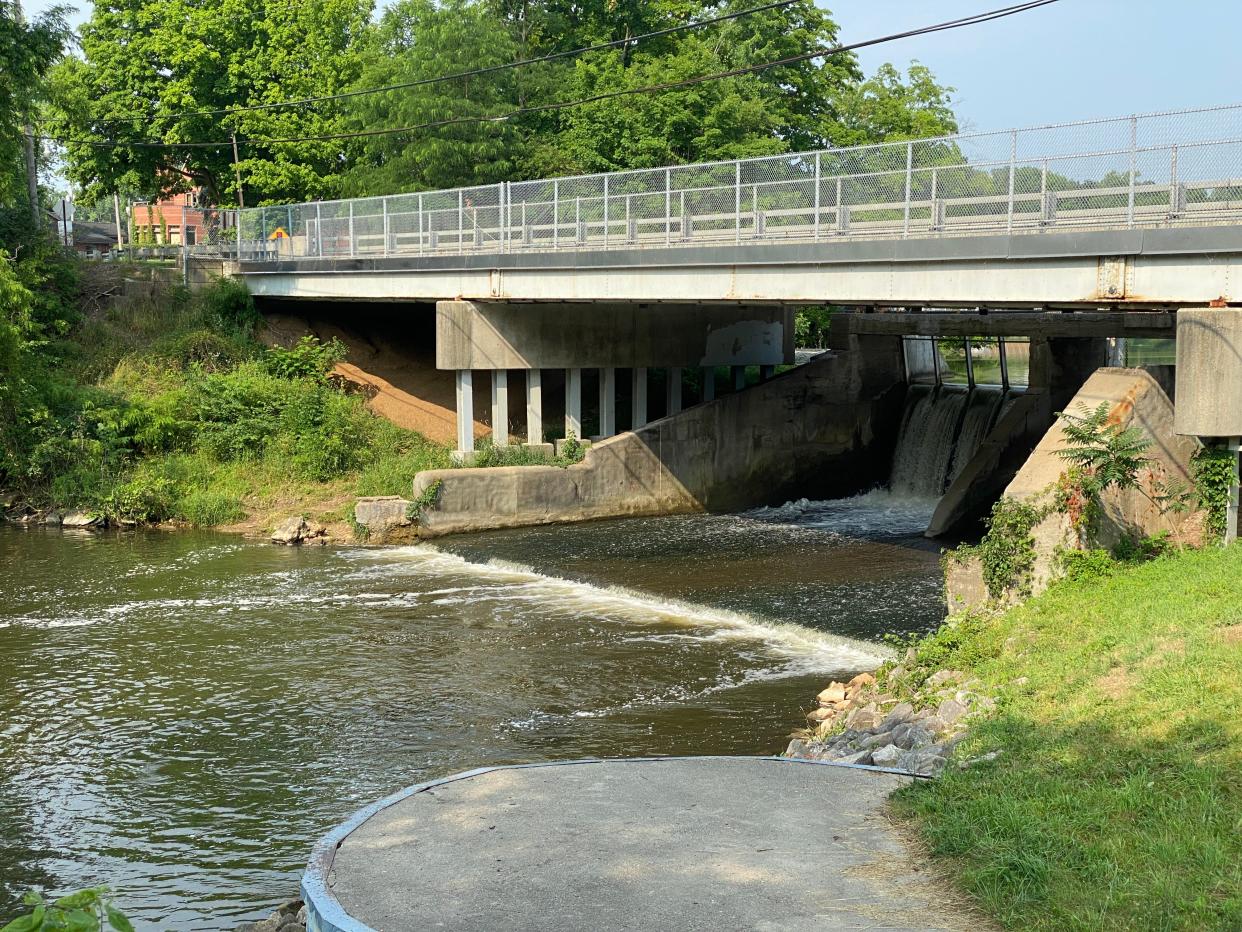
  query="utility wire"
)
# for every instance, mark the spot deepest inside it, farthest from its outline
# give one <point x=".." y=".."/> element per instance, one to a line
<point x="490" y="69"/>
<point x="822" y="52"/>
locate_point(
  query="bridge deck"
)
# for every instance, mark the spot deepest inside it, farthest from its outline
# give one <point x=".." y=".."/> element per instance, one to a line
<point x="683" y="843"/>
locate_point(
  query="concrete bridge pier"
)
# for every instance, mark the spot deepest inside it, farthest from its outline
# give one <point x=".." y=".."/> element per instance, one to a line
<point x="607" y="402"/>
<point x="638" y="398"/>
<point x="499" y="336"/>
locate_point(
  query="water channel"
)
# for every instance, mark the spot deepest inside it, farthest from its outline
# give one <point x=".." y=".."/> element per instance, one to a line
<point x="182" y="714"/>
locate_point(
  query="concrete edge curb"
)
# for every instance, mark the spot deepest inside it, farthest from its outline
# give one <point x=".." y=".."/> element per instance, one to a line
<point x="324" y="913"/>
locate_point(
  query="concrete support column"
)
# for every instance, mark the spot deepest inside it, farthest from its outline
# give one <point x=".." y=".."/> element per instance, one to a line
<point x="534" y="406"/>
<point x="709" y="383"/>
<point x="672" y="391"/>
<point x="639" y="418"/>
<point x="1235" y="493"/>
<point x="739" y="377"/>
<point x="465" y="412"/>
<point x="573" y="402"/>
<point x="500" y="407"/>
<point x="766" y="372"/>
<point x="607" y="401"/>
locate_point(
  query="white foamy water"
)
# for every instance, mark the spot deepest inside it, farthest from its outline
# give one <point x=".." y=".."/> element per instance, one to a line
<point x="875" y="514"/>
<point x="808" y="650"/>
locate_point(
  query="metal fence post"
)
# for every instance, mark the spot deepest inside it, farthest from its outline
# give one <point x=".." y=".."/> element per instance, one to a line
<point x="420" y="224"/>
<point x="289" y="219"/>
<point x="605" y="210"/>
<point x="668" y="205"/>
<point x="737" y="202"/>
<point x="817" y="195"/>
<point x="185" y="253"/>
<point x="384" y="209"/>
<point x="351" y="229"/>
<point x="1175" y="201"/>
<point x="1013" y="161"/>
<point x="556" y="213"/>
<point x="318" y="230"/>
<point x="461" y="220"/>
<point x="263" y="228"/>
<point x="1133" y="168"/>
<point x="237" y="225"/>
<point x="905" y="224"/>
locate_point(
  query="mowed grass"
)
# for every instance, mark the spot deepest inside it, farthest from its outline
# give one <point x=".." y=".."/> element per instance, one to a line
<point x="1116" y="799"/>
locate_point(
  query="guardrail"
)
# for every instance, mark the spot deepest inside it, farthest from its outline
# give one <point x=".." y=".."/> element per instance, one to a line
<point x="1178" y="167"/>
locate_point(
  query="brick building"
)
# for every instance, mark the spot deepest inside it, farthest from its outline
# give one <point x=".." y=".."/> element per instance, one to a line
<point x="160" y="222"/>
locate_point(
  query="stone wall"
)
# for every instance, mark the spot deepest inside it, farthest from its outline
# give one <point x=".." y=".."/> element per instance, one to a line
<point x="824" y="429"/>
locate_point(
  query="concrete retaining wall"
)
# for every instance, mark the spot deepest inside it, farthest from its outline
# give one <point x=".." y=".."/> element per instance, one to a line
<point x="1135" y="399"/>
<point x="823" y="429"/>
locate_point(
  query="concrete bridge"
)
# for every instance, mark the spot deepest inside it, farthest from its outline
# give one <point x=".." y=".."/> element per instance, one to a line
<point x="1102" y="228"/>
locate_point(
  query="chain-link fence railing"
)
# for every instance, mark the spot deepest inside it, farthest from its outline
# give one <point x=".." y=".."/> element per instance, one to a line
<point x="1155" y="169"/>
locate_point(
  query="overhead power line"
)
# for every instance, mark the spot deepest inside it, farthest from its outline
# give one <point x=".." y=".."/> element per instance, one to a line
<point x="822" y="52"/>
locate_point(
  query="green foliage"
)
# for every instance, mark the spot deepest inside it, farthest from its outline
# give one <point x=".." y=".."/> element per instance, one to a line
<point x="1136" y="550"/>
<point x="1007" y="550"/>
<point x="424" y="500"/>
<point x="147" y="65"/>
<point x="1213" y="472"/>
<point x="1114" y="799"/>
<point x="811" y="326"/>
<point x="1103" y="453"/>
<point x="309" y="358"/>
<point x="228" y="301"/>
<point x="572" y="450"/>
<point x="28" y="51"/>
<point x="89" y="910"/>
<point x="1087" y="565"/>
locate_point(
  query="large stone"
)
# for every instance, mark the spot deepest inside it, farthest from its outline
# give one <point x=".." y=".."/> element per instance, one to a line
<point x="864" y="718"/>
<point x="82" y="519"/>
<point x="876" y="740"/>
<point x="859" y="757"/>
<point x="821" y="715"/>
<point x="886" y="756"/>
<point x="834" y="693"/>
<point x="897" y="715"/>
<point x="910" y="737"/>
<point x="858" y="682"/>
<point x="387" y="518"/>
<point x="951" y="711"/>
<point x="291" y="531"/>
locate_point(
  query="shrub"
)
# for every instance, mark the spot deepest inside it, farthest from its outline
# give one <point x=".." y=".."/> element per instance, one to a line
<point x="1007" y="551"/>
<point x="228" y="301"/>
<point x="307" y="359"/>
<point x="85" y="911"/>
<point x="144" y="498"/>
<point x="1212" y="469"/>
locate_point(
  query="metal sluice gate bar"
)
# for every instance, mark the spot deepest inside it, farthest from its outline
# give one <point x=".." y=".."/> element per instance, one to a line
<point x="1160" y="169"/>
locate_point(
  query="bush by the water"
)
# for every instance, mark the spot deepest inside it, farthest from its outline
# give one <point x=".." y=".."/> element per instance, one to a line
<point x="170" y="409"/>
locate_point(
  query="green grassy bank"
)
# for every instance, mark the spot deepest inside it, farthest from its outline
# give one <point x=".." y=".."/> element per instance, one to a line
<point x="169" y="408"/>
<point x="1115" y="801"/>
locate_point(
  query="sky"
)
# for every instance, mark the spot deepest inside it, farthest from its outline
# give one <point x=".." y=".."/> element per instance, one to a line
<point x="1073" y="60"/>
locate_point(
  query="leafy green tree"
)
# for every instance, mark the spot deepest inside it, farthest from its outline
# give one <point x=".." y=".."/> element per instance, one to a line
<point x="149" y="66"/>
<point x="27" y="52"/>
<point x="887" y="106"/>
<point x="420" y="39"/>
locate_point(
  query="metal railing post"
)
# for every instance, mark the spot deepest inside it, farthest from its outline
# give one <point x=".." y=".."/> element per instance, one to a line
<point x="737" y="202"/>
<point x="1013" y="162"/>
<point x="668" y="205"/>
<point x="556" y="213"/>
<point x="461" y="220"/>
<point x="817" y="195"/>
<point x="1133" y="169"/>
<point x="384" y="209"/>
<point x="1175" y="201"/>
<point x="262" y="227"/>
<point x="605" y="210"/>
<point x="420" y="224"/>
<point x="351" y="229"/>
<point x="237" y="224"/>
<point x="905" y="225"/>
<point x="318" y="230"/>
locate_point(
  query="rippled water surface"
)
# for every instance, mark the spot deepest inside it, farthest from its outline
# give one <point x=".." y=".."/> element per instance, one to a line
<point x="183" y="714"/>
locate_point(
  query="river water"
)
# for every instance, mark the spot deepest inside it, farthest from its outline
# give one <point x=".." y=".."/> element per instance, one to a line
<point x="183" y="714"/>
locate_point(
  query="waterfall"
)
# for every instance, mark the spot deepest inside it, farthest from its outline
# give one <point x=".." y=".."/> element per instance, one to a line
<point x="941" y="429"/>
<point x="982" y="410"/>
